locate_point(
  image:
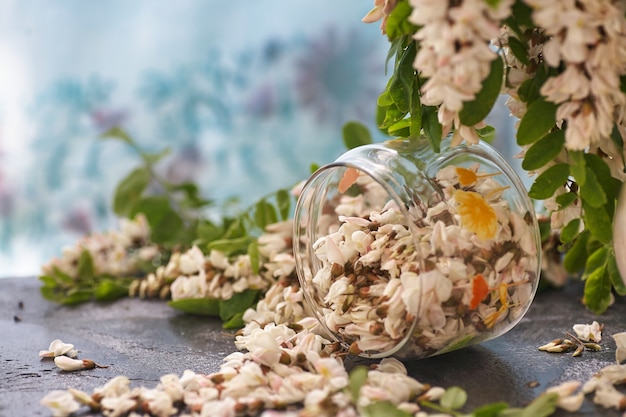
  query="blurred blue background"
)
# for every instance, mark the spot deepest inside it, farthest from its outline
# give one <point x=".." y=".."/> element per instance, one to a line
<point x="246" y="95"/>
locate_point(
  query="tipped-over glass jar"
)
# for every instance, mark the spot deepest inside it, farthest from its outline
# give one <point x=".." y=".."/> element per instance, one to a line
<point x="406" y="252"/>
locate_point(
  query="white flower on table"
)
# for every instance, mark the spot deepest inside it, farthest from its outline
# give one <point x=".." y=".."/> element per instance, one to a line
<point x="620" y="351"/>
<point x="61" y="403"/>
<point x="589" y="332"/>
<point x="58" y="348"/>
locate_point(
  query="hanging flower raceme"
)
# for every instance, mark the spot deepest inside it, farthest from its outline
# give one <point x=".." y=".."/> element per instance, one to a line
<point x="455" y="56"/>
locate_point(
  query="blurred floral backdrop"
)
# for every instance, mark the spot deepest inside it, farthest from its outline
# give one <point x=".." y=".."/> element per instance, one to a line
<point x="247" y="95"/>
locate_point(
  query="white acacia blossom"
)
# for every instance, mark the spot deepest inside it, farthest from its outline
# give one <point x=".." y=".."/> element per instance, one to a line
<point x="455" y="55"/>
<point x="58" y="348"/>
<point x="589" y="38"/>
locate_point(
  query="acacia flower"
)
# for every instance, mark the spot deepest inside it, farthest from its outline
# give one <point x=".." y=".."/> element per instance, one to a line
<point x="620" y="351"/>
<point x="61" y="403"/>
<point x="589" y="332"/>
<point x="477" y="215"/>
<point x="69" y="364"/>
<point x="58" y="348"/>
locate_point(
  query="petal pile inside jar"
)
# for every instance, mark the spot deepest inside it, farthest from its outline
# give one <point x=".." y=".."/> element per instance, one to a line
<point x="437" y="274"/>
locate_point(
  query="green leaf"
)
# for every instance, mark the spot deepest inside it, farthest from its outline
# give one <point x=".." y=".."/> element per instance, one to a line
<point x="565" y="199"/>
<point x="231" y="246"/>
<point x="570" y="231"/>
<point x="575" y="258"/>
<point x="153" y="158"/>
<point x="592" y="192"/>
<point x="51" y="293"/>
<point x="542" y="406"/>
<point x="85" y="266"/>
<point x="544" y="150"/>
<point x="523" y="14"/>
<point x="490" y="410"/>
<point x="235" y="322"/>
<point x="597" y="293"/>
<point x="208" y="231"/>
<point x="549" y="181"/>
<point x="476" y="110"/>
<point x="356" y="134"/>
<point x="538" y="120"/>
<point x="110" y="290"/>
<point x="117" y="132"/>
<point x="615" y="276"/>
<point x="487" y="133"/>
<point x="398" y="23"/>
<point x="77" y="296"/>
<point x="129" y="190"/>
<point x="519" y="49"/>
<point x="253" y="253"/>
<point x="239" y="302"/>
<point x="578" y="166"/>
<point x="493" y="3"/>
<point x="401" y="85"/>
<point x="313" y="167"/>
<point x="358" y="376"/>
<point x="198" y="306"/>
<point x="384" y="409"/>
<point x="454" y="398"/>
<point x="597" y="260"/>
<point x="283" y="201"/>
<point x="610" y="185"/>
<point x="165" y="223"/>
<point x="432" y="127"/>
<point x="264" y="214"/>
<point x="416" y="111"/>
<point x="598" y="222"/>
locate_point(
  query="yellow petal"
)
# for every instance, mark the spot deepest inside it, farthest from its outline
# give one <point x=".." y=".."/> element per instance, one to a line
<point x="476" y="214"/>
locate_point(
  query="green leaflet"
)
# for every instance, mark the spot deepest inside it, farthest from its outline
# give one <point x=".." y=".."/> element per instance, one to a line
<point x="432" y="127"/>
<point x="454" y="398"/>
<point x="198" y="306"/>
<point x="570" y="231"/>
<point x="384" y="409"/>
<point x="598" y="222"/>
<point x="475" y="111"/>
<point x="544" y="150"/>
<point x="519" y="49"/>
<point x="264" y="214"/>
<point x="358" y="376"/>
<point x="238" y="303"/>
<point x="398" y="24"/>
<point x="538" y="120"/>
<point x="129" y="191"/>
<point x="592" y="191"/>
<point x="549" y="181"/>
<point x="165" y="222"/>
<point x="565" y="199"/>
<point x="356" y="134"/>
<point x="597" y="294"/>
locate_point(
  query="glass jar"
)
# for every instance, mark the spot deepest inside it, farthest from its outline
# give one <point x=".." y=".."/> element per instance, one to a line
<point x="406" y="252"/>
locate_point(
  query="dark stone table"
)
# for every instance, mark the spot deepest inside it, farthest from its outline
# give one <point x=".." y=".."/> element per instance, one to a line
<point x="147" y="339"/>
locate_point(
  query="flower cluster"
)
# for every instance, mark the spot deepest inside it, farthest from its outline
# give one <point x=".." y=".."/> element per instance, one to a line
<point x="563" y="66"/>
<point x="116" y="253"/>
<point x="461" y="267"/>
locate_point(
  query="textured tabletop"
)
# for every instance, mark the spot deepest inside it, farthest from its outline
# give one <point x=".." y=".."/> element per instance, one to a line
<point x="147" y="339"/>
